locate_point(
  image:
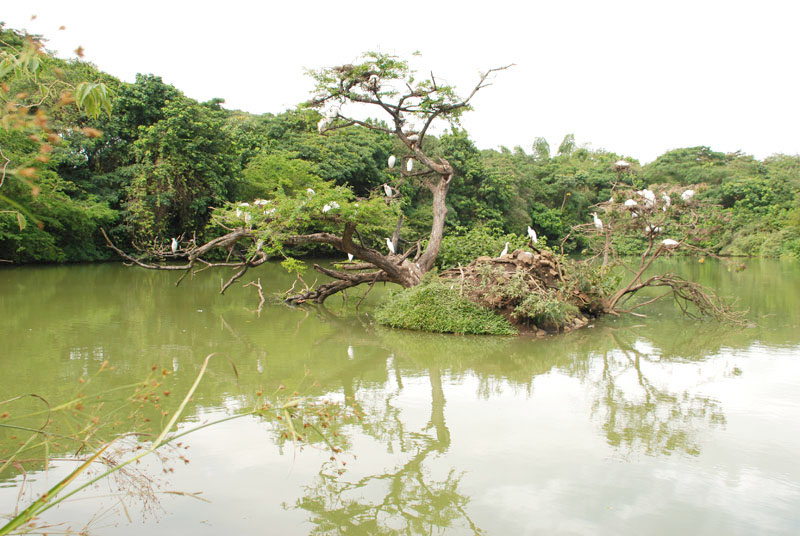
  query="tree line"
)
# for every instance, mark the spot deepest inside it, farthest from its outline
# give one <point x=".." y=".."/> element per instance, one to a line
<point x="160" y="163"/>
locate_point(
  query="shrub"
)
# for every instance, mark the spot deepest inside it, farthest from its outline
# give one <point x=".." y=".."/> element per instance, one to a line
<point x="468" y="244"/>
<point x="435" y="306"/>
<point x="546" y="310"/>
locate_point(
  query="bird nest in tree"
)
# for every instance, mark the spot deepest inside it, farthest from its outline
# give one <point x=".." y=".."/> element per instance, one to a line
<point x="534" y="290"/>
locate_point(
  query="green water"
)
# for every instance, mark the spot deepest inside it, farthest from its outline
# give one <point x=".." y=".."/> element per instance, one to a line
<point x="664" y="425"/>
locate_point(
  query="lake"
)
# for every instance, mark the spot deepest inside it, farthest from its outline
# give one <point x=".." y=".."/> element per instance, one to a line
<point x="663" y="425"/>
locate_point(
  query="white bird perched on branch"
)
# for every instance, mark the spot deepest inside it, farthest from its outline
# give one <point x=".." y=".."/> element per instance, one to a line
<point x="622" y="164"/>
<point x="326" y="208"/>
<point x="310" y="191"/>
<point x="332" y="113"/>
<point x="630" y="203"/>
<point x="374" y="80"/>
<point x="387" y="190"/>
<point x="670" y="243"/>
<point x="390" y="245"/>
<point x="413" y="137"/>
<point x="652" y="229"/>
<point x="392" y="160"/>
<point x="350" y="257"/>
<point x="598" y="223"/>
<point x="532" y="235"/>
<point x="649" y="197"/>
<point x="174" y="246"/>
<point x="505" y="250"/>
<point x="667" y="200"/>
<point x="687" y="195"/>
<point x="410" y="165"/>
<point x="323" y="124"/>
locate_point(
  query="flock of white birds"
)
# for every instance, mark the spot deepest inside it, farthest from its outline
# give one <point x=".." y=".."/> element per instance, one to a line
<point x="630" y="204"/>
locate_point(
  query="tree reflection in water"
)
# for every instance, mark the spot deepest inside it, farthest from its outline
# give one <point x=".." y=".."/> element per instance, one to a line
<point x="638" y="414"/>
<point x="404" y="499"/>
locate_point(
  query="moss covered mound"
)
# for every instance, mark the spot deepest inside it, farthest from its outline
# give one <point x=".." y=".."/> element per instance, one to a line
<point x="439" y="307"/>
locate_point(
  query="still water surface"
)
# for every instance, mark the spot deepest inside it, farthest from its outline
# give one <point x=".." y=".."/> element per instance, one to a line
<point x="662" y="425"/>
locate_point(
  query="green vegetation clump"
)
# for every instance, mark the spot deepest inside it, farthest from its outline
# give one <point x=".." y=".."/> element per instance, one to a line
<point x="546" y="309"/>
<point x="465" y="245"/>
<point x="439" y="307"/>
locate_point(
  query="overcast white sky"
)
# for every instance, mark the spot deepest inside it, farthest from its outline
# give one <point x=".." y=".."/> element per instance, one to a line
<point x="635" y="77"/>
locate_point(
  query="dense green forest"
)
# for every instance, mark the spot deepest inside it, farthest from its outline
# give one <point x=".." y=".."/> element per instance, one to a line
<point x="160" y="162"/>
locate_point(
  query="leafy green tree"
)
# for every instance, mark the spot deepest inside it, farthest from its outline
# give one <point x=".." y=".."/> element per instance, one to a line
<point x="185" y="166"/>
<point x="331" y="214"/>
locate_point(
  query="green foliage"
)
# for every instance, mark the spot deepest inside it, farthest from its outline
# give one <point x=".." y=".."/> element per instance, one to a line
<point x="293" y="266"/>
<point x="465" y="245"/>
<point x="691" y="165"/>
<point x="546" y="309"/>
<point x="159" y="163"/>
<point x="434" y="306"/>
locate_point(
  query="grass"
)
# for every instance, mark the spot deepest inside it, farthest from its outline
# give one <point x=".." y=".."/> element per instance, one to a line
<point x="107" y="444"/>
<point x="435" y="306"/>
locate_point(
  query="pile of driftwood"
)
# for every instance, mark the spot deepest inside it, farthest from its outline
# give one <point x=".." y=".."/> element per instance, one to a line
<point x="534" y="290"/>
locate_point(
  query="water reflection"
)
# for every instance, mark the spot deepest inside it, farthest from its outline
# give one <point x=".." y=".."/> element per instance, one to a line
<point x="628" y="424"/>
<point x="639" y="406"/>
<point x="405" y="498"/>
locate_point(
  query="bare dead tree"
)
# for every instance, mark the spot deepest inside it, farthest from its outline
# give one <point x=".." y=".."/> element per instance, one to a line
<point x="660" y="215"/>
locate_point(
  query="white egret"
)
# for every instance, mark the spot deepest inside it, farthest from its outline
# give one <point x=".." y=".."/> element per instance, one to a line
<point x="598" y="223"/>
<point x="238" y="212"/>
<point x="667" y="201"/>
<point x="374" y="80"/>
<point x="410" y="165"/>
<point x="350" y="353"/>
<point x="334" y="204"/>
<point x="687" y="195"/>
<point x="392" y="160"/>
<point x="259" y="245"/>
<point x="322" y="125"/>
<point x="532" y="235"/>
<point x="505" y="250"/>
<point x="310" y="191"/>
<point x="326" y="208"/>
<point x="390" y="245"/>
<point x="653" y="230"/>
<point x="270" y="211"/>
<point x="670" y="243"/>
<point x="244" y="204"/>
<point x="387" y="190"/>
<point x="649" y="197"/>
<point x="174" y="245"/>
<point x="413" y="137"/>
<point x="622" y="164"/>
<point x="260" y="202"/>
<point x="350" y="257"/>
<point x="630" y="203"/>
